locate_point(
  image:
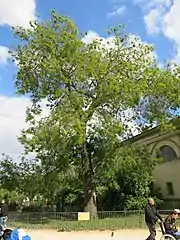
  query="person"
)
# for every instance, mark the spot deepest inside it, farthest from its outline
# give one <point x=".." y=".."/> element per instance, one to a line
<point x="169" y="224"/>
<point x="16" y="234"/>
<point x="151" y="218"/>
<point x="4" y="214"/>
<point x="6" y="234"/>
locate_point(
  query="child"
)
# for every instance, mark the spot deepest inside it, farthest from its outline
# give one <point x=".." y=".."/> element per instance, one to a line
<point x="16" y="234"/>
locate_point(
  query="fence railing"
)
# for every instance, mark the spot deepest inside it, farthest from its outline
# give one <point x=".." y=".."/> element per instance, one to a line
<point x="67" y="221"/>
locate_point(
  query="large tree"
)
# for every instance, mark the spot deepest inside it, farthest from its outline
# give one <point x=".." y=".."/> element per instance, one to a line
<point x="89" y="89"/>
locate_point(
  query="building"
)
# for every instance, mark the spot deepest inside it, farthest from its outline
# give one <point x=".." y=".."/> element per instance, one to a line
<point x="167" y="173"/>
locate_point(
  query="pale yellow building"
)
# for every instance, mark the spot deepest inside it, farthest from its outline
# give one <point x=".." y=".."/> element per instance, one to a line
<point x="166" y="174"/>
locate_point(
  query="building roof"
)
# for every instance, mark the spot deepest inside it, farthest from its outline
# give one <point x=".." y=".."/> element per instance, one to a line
<point x="147" y="132"/>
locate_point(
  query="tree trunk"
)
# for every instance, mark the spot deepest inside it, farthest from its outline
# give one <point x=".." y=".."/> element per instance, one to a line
<point x="90" y="203"/>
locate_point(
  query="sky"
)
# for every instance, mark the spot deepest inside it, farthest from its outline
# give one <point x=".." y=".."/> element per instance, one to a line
<point x="154" y="21"/>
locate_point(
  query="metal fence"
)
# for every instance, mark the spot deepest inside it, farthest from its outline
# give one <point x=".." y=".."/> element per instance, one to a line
<point x="67" y="221"/>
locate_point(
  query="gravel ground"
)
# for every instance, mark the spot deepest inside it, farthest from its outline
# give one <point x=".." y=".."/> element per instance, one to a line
<point x="95" y="235"/>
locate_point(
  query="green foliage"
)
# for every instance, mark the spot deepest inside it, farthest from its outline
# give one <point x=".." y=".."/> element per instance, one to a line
<point x="9" y="178"/>
<point x="129" y="185"/>
<point x="125" y="183"/>
<point x="88" y="89"/>
<point x="19" y="180"/>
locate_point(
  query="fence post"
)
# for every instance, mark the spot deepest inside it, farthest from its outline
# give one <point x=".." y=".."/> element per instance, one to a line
<point x="41" y="217"/>
<point x="125" y="218"/>
<point x="140" y="219"/>
<point x="109" y="219"/>
<point x="27" y="219"/>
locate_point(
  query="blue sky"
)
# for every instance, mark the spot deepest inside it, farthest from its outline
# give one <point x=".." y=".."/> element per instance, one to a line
<point x="155" y="21"/>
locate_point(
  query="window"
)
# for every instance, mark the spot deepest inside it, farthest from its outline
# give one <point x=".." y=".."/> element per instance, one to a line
<point x="167" y="153"/>
<point x="170" y="188"/>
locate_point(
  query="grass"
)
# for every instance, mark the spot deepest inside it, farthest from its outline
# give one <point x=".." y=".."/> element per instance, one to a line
<point x="102" y="225"/>
<point x="128" y="222"/>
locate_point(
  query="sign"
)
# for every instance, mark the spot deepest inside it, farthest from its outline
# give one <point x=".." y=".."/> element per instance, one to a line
<point x="83" y="216"/>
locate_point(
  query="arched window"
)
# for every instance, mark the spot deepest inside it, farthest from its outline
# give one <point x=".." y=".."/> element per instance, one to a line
<point x="167" y="153"/>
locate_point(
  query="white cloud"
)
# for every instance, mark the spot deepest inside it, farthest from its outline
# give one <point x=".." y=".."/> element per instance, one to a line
<point x="12" y="121"/>
<point x="159" y="3"/>
<point x="162" y="17"/>
<point x="146" y="4"/>
<point x="171" y="27"/>
<point x="90" y="36"/>
<point x="110" y="43"/>
<point x="117" y="11"/>
<point x="17" y="12"/>
<point x="4" y="55"/>
<point x="104" y="42"/>
<point x="152" y="20"/>
<point x="171" y="22"/>
<point x="154" y="14"/>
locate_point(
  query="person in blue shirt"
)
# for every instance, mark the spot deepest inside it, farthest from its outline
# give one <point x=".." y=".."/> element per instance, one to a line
<point x="16" y="234"/>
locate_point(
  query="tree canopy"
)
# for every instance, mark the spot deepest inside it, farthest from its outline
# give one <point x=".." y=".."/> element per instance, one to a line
<point x="94" y="92"/>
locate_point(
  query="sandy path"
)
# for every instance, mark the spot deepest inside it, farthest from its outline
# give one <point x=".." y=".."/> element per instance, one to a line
<point x="118" y="235"/>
